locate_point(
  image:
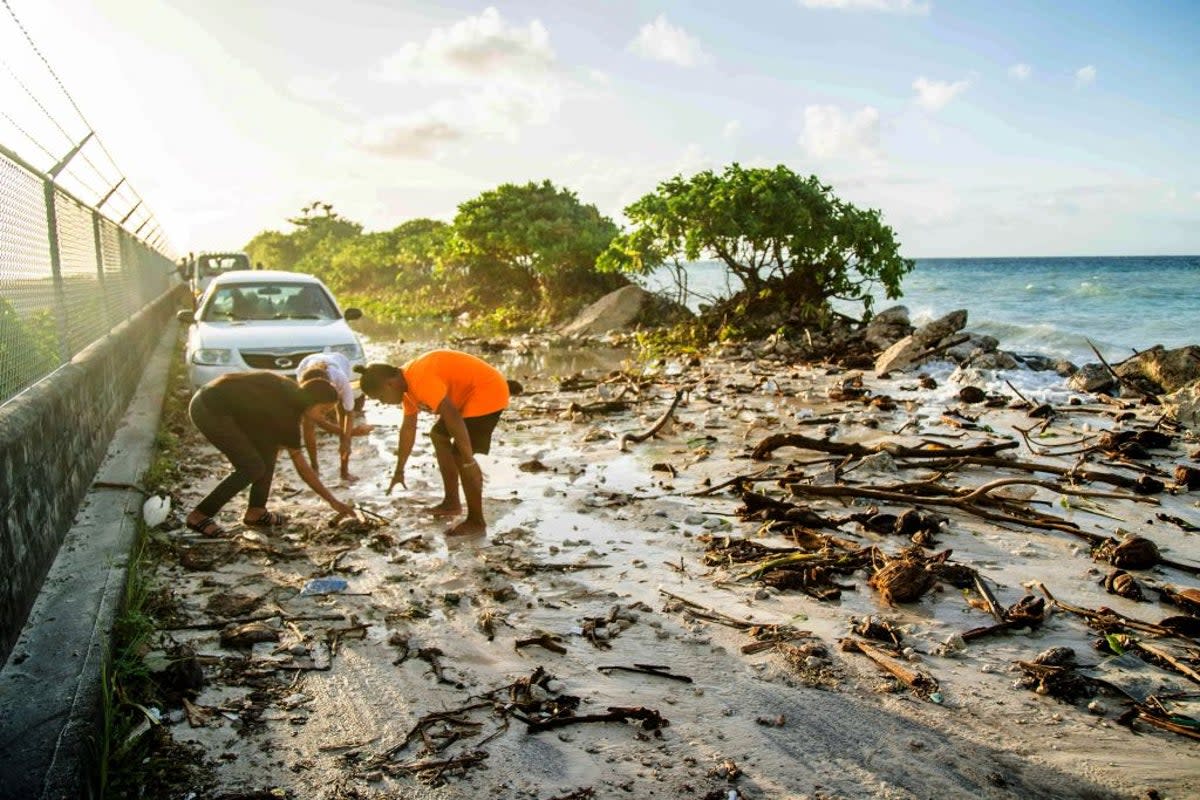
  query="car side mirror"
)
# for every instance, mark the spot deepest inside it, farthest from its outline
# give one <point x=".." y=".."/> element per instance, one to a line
<point x="185" y="316"/>
<point x="352" y="314"/>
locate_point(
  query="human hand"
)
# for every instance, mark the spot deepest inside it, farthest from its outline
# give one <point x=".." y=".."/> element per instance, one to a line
<point x="361" y="429"/>
<point x="341" y="508"/>
<point x="397" y="477"/>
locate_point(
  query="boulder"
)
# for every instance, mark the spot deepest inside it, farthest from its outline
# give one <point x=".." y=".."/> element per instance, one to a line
<point x="977" y="344"/>
<point x="908" y="352"/>
<point x="1168" y="369"/>
<point x="626" y="307"/>
<point x="932" y="333"/>
<point x="1185" y="405"/>
<point x="886" y="328"/>
<point x="1036" y="362"/>
<point x="1091" y="378"/>
<point x="994" y="359"/>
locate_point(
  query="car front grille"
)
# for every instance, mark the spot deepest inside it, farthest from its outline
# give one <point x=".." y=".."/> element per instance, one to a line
<point x="281" y="359"/>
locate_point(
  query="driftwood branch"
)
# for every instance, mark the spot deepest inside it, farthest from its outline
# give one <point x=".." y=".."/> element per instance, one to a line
<point x="658" y="425"/>
<point x="776" y="441"/>
<point x="1029" y="518"/>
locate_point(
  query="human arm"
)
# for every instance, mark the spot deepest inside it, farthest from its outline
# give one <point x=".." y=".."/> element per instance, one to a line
<point x="457" y="427"/>
<point x="314" y="482"/>
<point x="310" y="441"/>
<point x="346" y="420"/>
<point x="408" y="436"/>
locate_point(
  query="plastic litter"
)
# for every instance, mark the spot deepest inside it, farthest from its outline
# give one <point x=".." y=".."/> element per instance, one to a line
<point x="324" y="586"/>
<point x="156" y="509"/>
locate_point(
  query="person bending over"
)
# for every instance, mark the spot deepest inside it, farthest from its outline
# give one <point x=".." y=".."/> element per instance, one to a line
<point x="468" y="395"/>
<point x="249" y="416"/>
<point x="335" y="368"/>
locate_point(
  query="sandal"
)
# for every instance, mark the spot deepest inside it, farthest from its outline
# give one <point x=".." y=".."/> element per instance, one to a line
<point x="206" y="527"/>
<point x="269" y="519"/>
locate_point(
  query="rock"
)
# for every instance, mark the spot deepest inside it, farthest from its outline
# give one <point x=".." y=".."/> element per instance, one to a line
<point x="1184" y="406"/>
<point x="1091" y="378"/>
<point x="976" y="345"/>
<point x="626" y="307"/>
<point x="886" y="328"/>
<point x="907" y="352"/>
<point x="997" y="359"/>
<point x="930" y="334"/>
<point x="1168" y="370"/>
<point x="1037" y="363"/>
<point x="1065" y="368"/>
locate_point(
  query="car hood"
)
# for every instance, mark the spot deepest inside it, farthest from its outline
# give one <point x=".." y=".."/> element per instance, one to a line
<point x="290" y="333"/>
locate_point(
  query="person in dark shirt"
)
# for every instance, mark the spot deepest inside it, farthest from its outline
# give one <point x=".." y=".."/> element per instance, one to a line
<point x="249" y="416"/>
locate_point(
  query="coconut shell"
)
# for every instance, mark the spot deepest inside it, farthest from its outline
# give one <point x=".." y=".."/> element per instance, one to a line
<point x="1136" y="552"/>
<point x="1120" y="582"/>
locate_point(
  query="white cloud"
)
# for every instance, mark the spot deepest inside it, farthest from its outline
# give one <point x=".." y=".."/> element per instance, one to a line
<point x="1020" y="71"/>
<point x="505" y="75"/>
<point x="890" y="6"/>
<point x="662" y="41"/>
<point x="831" y="133"/>
<point x="599" y="77"/>
<point x="482" y="47"/>
<point x="1085" y="75"/>
<point x="732" y="129"/>
<point x="418" y="135"/>
<point x="935" y="95"/>
<point x="483" y="114"/>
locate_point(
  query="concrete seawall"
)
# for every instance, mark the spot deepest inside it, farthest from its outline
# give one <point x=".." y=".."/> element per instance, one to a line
<point x="53" y="437"/>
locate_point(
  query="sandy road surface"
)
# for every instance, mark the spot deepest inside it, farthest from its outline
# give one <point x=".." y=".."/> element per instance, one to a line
<point x="588" y="545"/>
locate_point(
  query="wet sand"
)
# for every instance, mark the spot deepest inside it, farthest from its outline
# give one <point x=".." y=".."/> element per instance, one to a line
<point x="602" y="552"/>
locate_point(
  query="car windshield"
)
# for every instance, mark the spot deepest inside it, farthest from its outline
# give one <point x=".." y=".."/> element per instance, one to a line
<point x="260" y="301"/>
<point x="209" y="265"/>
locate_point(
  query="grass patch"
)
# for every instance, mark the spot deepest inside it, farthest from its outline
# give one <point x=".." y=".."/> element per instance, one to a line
<point x="136" y="756"/>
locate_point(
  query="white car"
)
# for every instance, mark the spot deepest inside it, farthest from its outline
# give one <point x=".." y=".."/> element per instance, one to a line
<point x="265" y="320"/>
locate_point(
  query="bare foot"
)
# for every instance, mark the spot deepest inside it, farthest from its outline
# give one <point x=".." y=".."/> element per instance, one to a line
<point x="444" y="509"/>
<point x="348" y="477"/>
<point x="468" y="527"/>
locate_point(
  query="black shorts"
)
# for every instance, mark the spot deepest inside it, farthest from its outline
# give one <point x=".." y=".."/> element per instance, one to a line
<point x="479" y="429"/>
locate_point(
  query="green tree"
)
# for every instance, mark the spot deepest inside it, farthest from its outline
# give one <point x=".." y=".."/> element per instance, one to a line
<point x="533" y="242"/>
<point x="405" y="258"/>
<point x="793" y="245"/>
<point x="319" y="233"/>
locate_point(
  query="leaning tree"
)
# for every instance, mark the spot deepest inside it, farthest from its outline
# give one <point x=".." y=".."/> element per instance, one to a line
<point x="791" y="243"/>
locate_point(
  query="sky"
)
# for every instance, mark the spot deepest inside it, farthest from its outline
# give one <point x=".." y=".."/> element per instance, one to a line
<point x="977" y="128"/>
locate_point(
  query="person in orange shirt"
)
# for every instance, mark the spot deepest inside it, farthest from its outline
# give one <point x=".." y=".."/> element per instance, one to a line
<point x="468" y="395"/>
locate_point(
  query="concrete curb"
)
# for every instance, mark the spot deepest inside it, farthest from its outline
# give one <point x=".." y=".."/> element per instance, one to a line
<point x="50" y="688"/>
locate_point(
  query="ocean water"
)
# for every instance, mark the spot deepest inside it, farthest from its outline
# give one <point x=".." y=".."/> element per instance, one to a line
<point x="1051" y="306"/>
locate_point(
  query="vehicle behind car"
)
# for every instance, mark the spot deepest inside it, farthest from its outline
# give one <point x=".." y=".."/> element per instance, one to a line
<point x="266" y="320"/>
<point x="207" y="266"/>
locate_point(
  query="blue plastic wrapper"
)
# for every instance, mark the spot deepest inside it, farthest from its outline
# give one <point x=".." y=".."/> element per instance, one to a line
<point x="325" y="586"/>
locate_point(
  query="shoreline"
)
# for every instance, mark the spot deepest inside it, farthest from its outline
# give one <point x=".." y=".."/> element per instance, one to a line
<point x="594" y="547"/>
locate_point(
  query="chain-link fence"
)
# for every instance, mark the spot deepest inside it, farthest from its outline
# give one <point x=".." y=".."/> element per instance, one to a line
<point x="68" y="275"/>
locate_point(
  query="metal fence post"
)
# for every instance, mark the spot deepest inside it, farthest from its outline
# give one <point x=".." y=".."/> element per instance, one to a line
<point x="60" y="305"/>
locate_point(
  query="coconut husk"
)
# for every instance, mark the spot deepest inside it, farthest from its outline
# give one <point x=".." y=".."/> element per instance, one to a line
<point x="1187" y="477"/>
<point x="902" y="580"/>
<point x="1136" y="552"/>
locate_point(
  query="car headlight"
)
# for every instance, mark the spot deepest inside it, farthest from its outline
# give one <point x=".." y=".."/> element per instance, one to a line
<point x="351" y="351"/>
<point x="212" y="357"/>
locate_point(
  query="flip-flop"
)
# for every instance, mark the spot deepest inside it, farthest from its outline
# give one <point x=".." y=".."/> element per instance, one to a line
<point x="269" y="519"/>
<point x="206" y="527"/>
